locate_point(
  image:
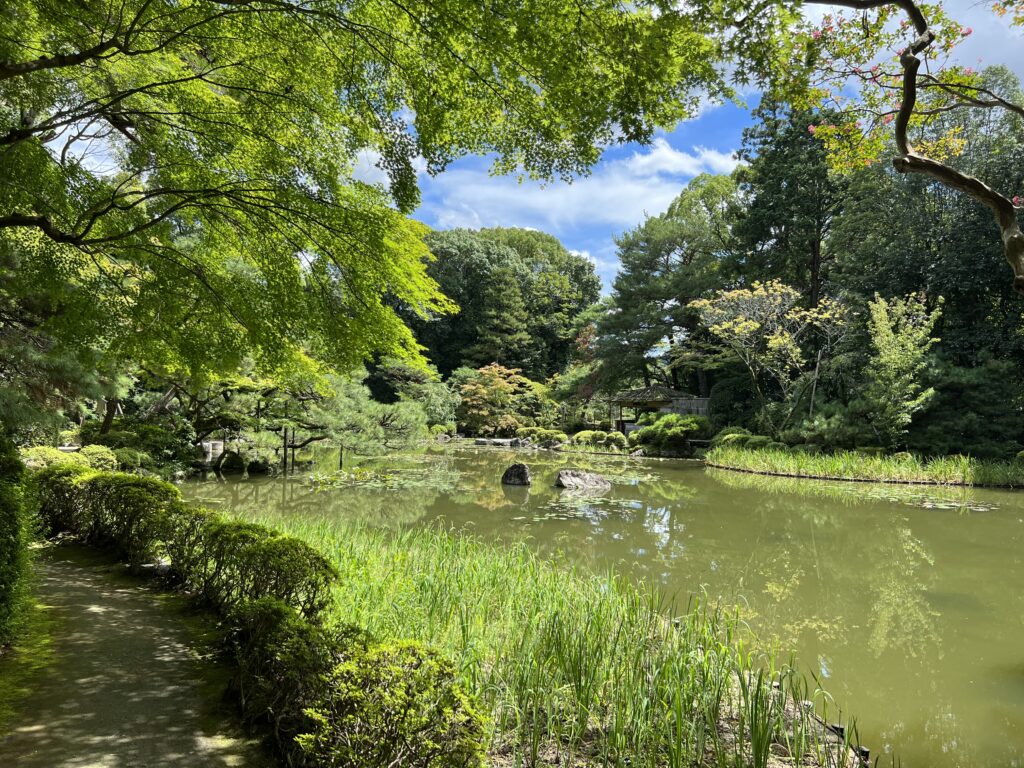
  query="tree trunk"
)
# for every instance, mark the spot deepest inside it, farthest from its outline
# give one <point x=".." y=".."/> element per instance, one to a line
<point x="108" y="416"/>
<point x="341" y="457"/>
<point x="814" y="290"/>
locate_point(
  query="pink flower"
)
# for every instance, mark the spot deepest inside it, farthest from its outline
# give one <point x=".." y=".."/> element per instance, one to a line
<point x="816" y="34"/>
<point x="1016" y="200"/>
<point x="967" y="31"/>
<point x="812" y="128"/>
<point x="888" y="119"/>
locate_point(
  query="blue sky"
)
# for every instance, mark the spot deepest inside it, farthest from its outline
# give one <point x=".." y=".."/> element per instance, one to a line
<point x="632" y="181"/>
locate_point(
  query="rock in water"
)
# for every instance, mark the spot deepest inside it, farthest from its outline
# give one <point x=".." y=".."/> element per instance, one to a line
<point x="578" y="480"/>
<point x="517" y="474"/>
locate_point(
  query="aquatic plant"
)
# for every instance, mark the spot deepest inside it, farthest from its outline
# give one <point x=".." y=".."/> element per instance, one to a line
<point x="573" y="667"/>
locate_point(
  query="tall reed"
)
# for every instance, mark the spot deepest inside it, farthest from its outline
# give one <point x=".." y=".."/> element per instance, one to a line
<point x="851" y="465"/>
<point x="573" y="667"/>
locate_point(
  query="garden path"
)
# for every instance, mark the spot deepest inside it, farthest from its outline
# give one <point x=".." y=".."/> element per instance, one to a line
<point x="127" y="683"/>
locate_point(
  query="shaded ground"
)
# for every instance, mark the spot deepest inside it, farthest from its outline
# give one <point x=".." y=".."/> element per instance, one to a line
<point x="121" y="681"/>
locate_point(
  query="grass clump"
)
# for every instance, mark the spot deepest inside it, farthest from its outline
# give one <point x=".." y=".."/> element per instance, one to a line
<point x="573" y="668"/>
<point x="869" y="466"/>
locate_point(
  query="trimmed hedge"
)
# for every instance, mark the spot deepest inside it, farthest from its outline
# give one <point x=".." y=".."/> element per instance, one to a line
<point x="332" y="697"/>
<point x="13" y="541"/>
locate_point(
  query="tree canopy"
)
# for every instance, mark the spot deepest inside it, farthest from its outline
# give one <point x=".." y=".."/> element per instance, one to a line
<point x="180" y="176"/>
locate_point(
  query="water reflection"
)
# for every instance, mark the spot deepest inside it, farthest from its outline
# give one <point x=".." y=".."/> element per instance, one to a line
<point x="904" y="598"/>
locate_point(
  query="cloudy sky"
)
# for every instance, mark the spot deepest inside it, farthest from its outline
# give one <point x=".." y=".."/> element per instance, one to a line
<point x="633" y="180"/>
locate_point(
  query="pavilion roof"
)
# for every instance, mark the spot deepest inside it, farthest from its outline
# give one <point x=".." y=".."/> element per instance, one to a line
<point x="649" y="395"/>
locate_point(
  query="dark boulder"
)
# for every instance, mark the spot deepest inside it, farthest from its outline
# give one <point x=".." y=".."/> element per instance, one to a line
<point x="517" y="474"/>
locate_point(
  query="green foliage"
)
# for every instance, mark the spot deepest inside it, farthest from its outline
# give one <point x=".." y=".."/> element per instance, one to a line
<point x="335" y="697"/>
<point x="670" y="433"/>
<point x="616" y="440"/>
<point x="352" y="419"/>
<point x="99" y="457"/>
<point x="542" y="435"/>
<point x="394" y="704"/>
<point x="47" y="456"/>
<point x="667" y="261"/>
<point x="727" y="432"/>
<point x="519" y="293"/>
<point x="130" y="459"/>
<point x="14" y="539"/>
<point x="900" y="332"/>
<point x="216" y="211"/>
<point x="756" y="442"/>
<point x="498" y="401"/>
<point x="225" y="562"/>
<point x="976" y="410"/>
<point x="870" y="464"/>
<point x="331" y="696"/>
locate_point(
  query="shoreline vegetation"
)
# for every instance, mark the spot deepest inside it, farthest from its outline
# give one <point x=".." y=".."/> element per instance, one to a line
<point x="542" y="663"/>
<point x="852" y="466"/>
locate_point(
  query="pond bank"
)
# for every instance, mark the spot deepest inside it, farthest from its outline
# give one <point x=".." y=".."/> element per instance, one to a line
<point x="850" y="466"/>
<point x="127" y="680"/>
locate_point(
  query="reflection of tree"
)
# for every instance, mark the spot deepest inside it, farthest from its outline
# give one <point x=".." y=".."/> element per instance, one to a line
<point x="902" y="619"/>
<point x="274" y="497"/>
<point x="959" y="498"/>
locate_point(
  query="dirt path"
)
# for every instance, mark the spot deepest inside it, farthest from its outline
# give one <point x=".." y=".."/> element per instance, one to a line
<point x="125" y="685"/>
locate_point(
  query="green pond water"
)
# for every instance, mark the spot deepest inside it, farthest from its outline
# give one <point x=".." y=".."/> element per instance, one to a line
<point x="906" y="602"/>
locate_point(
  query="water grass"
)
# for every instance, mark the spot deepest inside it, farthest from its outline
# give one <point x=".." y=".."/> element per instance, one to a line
<point x="577" y="669"/>
<point x="851" y="465"/>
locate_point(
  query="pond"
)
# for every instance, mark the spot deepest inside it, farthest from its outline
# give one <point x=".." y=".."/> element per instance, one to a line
<point x="904" y="601"/>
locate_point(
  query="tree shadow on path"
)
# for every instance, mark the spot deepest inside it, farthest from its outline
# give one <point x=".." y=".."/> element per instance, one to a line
<point x="127" y="684"/>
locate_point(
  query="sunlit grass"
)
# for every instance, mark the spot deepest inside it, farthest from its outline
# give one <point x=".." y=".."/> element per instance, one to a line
<point x="572" y="666"/>
<point x="851" y="465"/>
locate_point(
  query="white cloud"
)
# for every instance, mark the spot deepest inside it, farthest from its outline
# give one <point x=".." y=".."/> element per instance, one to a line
<point x="618" y="194"/>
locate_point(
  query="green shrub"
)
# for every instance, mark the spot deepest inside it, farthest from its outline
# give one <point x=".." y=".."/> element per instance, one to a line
<point x="330" y="694"/>
<point x="1019" y="458"/>
<point x="727" y="433"/>
<point x="13" y="541"/>
<point x="552" y="435"/>
<point x="348" y="700"/>
<point x="130" y="459"/>
<point x="616" y="440"/>
<point x="40" y="456"/>
<point x="225" y="562"/>
<point x="394" y="704"/>
<point x="777" y="446"/>
<point x="99" y="457"/>
<point x="599" y="436"/>
<point x="123" y="511"/>
<point x="71" y="436"/>
<point x="671" y="432"/>
<point x="757" y="442"/>
<point x="586" y="437"/>
<point x="903" y="456"/>
<point x="647" y="418"/>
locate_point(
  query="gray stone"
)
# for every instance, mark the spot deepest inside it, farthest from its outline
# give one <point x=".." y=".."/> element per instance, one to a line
<point x="577" y="479"/>
<point x="443" y="437"/>
<point x="638" y="453"/>
<point x="517" y="474"/>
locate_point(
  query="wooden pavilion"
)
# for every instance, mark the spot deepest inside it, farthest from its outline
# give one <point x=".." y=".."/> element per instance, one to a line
<point x="627" y="407"/>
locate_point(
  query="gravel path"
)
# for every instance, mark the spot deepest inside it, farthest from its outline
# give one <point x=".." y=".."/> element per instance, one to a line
<point x="127" y="685"/>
